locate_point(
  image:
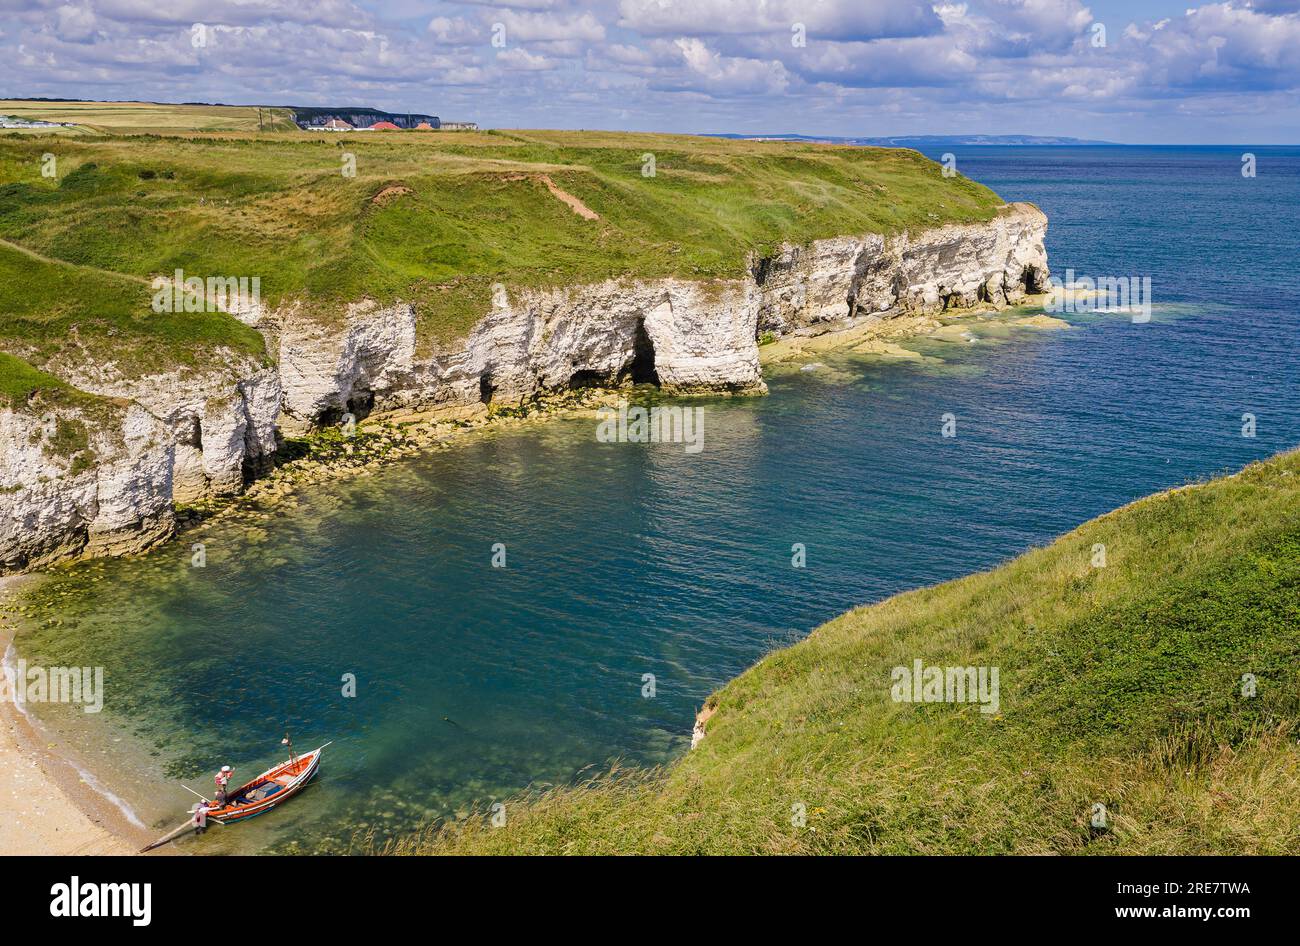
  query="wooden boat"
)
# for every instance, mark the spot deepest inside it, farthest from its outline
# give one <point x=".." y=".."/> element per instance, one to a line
<point x="277" y="784"/>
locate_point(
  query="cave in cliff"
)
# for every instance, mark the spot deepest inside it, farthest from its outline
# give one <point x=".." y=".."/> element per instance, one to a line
<point x="588" y="378"/>
<point x="1032" y="280"/>
<point x="361" y="403"/>
<point x="358" y="406"/>
<point x="642" y="369"/>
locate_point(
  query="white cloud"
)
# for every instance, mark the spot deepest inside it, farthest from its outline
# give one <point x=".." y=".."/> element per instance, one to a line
<point x="522" y="27"/>
<point x="675" y="63"/>
<point x="1221" y="47"/>
<point x="457" y="31"/>
<point x="76" y="24"/>
<point x="521" y="60"/>
<point x="142" y="13"/>
<point x="708" y="71"/>
<point x="831" y="19"/>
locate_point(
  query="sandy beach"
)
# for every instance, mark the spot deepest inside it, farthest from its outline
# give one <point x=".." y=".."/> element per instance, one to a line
<point x="45" y="807"/>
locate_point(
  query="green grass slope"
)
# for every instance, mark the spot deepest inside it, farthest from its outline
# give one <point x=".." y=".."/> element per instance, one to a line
<point x="428" y="217"/>
<point x="1120" y="686"/>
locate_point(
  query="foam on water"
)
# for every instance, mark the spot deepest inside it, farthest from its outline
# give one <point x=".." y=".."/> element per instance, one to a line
<point x="9" y="669"/>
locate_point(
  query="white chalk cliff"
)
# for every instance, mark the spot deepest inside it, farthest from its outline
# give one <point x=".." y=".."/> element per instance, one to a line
<point x="179" y="437"/>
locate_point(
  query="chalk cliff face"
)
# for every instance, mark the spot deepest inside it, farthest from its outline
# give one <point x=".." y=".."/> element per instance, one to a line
<point x="222" y="421"/>
<point x="52" y="508"/>
<point x="959" y="266"/>
<point x="185" y="436"/>
<point x="189" y="435"/>
<point x="687" y="337"/>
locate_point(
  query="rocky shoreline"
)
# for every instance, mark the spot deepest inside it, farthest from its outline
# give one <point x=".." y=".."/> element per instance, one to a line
<point x="335" y="453"/>
<point x="332" y="454"/>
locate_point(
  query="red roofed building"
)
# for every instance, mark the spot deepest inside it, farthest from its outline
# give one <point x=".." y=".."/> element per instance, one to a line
<point x="384" y="126"/>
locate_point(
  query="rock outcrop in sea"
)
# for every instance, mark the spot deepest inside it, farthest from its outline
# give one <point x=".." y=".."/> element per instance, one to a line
<point x="183" y="435"/>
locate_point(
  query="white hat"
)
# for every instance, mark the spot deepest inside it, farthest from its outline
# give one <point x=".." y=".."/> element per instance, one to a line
<point x="225" y="768"/>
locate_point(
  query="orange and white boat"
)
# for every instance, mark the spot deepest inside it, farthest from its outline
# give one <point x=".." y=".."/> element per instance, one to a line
<point x="277" y="784"/>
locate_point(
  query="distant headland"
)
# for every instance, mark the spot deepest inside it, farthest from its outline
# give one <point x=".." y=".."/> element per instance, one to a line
<point x="923" y="141"/>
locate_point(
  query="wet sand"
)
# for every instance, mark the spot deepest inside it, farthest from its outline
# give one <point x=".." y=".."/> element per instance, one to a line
<point x="45" y="806"/>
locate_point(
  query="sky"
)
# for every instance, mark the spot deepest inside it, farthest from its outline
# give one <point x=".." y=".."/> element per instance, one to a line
<point x="1141" y="71"/>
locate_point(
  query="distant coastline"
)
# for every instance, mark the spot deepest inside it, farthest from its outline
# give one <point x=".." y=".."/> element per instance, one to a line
<point x="923" y="141"/>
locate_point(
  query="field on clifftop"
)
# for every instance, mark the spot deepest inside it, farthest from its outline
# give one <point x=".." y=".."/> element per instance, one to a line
<point x="1163" y="687"/>
<point x="107" y="118"/>
<point x="432" y="218"/>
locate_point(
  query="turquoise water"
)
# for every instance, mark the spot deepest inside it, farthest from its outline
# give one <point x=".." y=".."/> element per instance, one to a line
<point x="474" y="682"/>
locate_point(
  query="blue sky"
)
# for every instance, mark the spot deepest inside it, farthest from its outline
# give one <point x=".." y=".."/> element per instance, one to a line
<point x="1167" y="72"/>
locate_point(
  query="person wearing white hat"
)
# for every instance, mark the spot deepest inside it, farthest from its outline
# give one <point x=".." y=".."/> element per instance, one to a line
<point x="223" y="783"/>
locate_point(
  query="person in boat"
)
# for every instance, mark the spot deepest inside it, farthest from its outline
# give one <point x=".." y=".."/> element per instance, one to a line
<point x="223" y="783"/>
<point x="201" y="816"/>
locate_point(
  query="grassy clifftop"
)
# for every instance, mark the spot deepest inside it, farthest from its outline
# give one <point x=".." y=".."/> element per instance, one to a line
<point x="1121" y="686"/>
<point x="429" y="217"/>
<point x="104" y="118"/>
